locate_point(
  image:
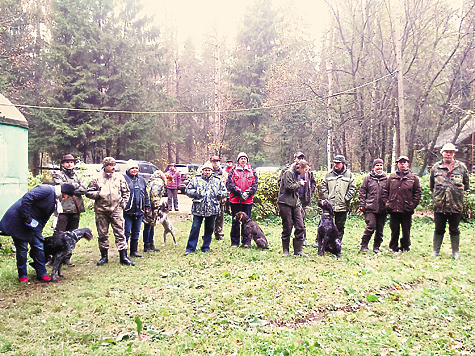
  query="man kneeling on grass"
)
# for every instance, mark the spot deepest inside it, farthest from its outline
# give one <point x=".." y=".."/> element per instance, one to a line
<point x="206" y="190"/>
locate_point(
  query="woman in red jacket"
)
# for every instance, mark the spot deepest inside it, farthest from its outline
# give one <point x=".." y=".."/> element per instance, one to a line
<point x="242" y="185"/>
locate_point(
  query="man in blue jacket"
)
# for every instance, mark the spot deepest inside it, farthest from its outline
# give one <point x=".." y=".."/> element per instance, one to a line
<point x="24" y="222"/>
<point x="137" y="206"/>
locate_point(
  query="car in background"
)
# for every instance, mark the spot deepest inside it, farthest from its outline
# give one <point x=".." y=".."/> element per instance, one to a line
<point x="187" y="171"/>
<point x="146" y="169"/>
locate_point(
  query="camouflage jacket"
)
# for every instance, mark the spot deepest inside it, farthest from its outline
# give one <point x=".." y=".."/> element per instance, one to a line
<point x="110" y="192"/>
<point x="206" y="194"/>
<point x="74" y="204"/>
<point x="448" y="187"/>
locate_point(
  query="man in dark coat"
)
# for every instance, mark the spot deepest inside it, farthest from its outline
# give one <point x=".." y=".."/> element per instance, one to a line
<point x="371" y="204"/>
<point x="401" y="195"/>
<point x="24" y="222"/>
<point x="290" y="207"/>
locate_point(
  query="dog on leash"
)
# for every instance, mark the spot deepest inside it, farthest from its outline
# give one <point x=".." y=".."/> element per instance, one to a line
<point x="162" y="218"/>
<point x="327" y="233"/>
<point x="252" y="230"/>
<point x="61" y="245"/>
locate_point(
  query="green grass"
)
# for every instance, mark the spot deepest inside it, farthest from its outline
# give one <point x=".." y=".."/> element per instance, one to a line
<point x="247" y="301"/>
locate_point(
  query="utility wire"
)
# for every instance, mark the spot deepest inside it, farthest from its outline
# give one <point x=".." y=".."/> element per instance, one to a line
<point x="200" y="112"/>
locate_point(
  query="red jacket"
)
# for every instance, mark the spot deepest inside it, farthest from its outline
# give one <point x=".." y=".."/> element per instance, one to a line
<point x="242" y="180"/>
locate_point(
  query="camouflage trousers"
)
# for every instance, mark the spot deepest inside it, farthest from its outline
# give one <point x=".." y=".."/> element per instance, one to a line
<point x="116" y="220"/>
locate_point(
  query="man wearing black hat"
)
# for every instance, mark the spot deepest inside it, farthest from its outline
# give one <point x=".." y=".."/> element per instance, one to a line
<point x="401" y="195"/>
<point x="68" y="220"/>
<point x="339" y="187"/>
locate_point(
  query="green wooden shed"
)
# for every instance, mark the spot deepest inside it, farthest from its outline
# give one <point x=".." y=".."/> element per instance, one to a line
<point x="13" y="154"/>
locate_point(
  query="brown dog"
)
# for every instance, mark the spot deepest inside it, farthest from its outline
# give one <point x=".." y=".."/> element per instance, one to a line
<point x="252" y="230"/>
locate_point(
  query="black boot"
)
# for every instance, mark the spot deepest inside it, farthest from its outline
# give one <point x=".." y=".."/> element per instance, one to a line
<point x="285" y="248"/>
<point x="455" y="241"/>
<point x="152" y="248"/>
<point x="124" y="260"/>
<point x="298" y="248"/>
<point x="364" y="245"/>
<point x="104" y="259"/>
<point x="146" y="247"/>
<point x="437" y="243"/>
<point x="133" y="248"/>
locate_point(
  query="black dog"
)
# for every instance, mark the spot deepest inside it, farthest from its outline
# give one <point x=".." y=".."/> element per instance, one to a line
<point x="252" y="230"/>
<point x="162" y="218"/>
<point x="327" y="233"/>
<point x="61" y="245"/>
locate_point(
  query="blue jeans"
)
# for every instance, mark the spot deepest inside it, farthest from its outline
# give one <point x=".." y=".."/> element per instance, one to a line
<point x="37" y="253"/>
<point x="195" y="232"/>
<point x="148" y="231"/>
<point x="132" y="226"/>
<point x="237" y="229"/>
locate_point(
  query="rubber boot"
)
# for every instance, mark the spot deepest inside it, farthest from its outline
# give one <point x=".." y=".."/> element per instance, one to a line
<point x="285" y="248"/>
<point x="437" y="243"/>
<point x="146" y="247"/>
<point x="376" y="248"/>
<point x="104" y="258"/>
<point x="298" y="248"/>
<point x="133" y="248"/>
<point x="124" y="260"/>
<point x="454" y="241"/>
<point x="152" y="248"/>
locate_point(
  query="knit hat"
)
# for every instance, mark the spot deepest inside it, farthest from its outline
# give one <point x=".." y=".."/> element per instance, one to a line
<point x="108" y="161"/>
<point x="67" y="189"/>
<point x="131" y="164"/>
<point x="378" y="160"/>
<point x="242" y="154"/>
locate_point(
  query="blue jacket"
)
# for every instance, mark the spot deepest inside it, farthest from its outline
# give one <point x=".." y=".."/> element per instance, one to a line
<point x="207" y="194"/>
<point x="38" y="204"/>
<point x="138" y="200"/>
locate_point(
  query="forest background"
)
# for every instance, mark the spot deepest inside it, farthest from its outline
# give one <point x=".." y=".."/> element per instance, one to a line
<point x="134" y="92"/>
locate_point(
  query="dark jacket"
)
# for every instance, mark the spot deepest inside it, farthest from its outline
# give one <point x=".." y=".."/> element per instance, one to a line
<point x="306" y="191"/>
<point x="371" y="193"/>
<point x="74" y="204"/>
<point x="289" y="188"/>
<point x="449" y="187"/>
<point x="402" y="192"/>
<point x="241" y="180"/>
<point x="38" y="204"/>
<point x="138" y="199"/>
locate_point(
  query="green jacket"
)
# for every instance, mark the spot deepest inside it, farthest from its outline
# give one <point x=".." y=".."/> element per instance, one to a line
<point x="289" y="188"/>
<point x="339" y="189"/>
<point x="448" y="188"/>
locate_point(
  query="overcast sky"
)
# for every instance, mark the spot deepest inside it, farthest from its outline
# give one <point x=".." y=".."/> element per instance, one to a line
<point x="194" y="18"/>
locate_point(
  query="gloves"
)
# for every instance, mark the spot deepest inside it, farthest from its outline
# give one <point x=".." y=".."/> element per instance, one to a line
<point x="33" y="223"/>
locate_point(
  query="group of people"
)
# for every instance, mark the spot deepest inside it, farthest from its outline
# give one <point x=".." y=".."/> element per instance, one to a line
<point x="125" y="201"/>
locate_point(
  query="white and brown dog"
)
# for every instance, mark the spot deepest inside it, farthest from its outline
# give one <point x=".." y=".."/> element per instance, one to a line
<point x="162" y="218"/>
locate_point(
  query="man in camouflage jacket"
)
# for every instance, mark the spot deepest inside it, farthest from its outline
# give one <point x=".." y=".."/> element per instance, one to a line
<point x="448" y="182"/>
<point x="110" y="192"/>
<point x="207" y="191"/>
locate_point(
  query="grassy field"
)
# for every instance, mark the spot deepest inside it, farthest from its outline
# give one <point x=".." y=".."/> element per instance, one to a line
<point x="247" y="301"/>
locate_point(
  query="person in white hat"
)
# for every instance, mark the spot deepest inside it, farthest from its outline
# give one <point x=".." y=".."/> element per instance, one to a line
<point x="448" y="181"/>
<point x="206" y="190"/>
